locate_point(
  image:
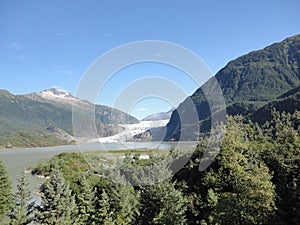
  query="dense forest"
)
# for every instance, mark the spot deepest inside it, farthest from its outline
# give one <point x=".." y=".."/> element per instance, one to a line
<point x="254" y="179"/>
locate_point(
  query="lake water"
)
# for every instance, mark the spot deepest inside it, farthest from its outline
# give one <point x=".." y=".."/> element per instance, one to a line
<point x="18" y="160"/>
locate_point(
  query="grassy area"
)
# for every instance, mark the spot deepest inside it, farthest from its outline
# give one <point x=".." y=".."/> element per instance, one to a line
<point x="26" y="139"/>
<point x="73" y="165"/>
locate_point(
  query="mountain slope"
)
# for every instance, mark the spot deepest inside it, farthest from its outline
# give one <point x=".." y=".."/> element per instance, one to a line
<point x="288" y="102"/>
<point x="159" y="116"/>
<point x="24" y="122"/>
<point x="25" y="119"/>
<point x="104" y="114"/>
<point x="247" y="83"/>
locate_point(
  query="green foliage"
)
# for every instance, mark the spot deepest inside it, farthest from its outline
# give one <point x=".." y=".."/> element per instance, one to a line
<point x="58" y="203"/>
<point x="288" y="102"/>
<point x="263" y="74"/>
<point x="104" y="212"/>
<point x="117" y="204"/>
<point x="5" y="192"/>
<point x="282" y="154"/>
<point x="86" y="202"/>
<point x="162" y="204"/>
<point x="245" y="192"/>
<point x="125" y="203"/>
<point x="254" y="179"/>
<point x="237" y="187"/>
<point x="72" y="165"/>
<point x="24" y="206"/>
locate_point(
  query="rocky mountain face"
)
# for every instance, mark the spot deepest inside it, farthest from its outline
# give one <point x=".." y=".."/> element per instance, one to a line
<point x="55" y="96"/>
<point x="45" y="118"/>
<point x="251" y="85"/>
<point x="159" y="116"/>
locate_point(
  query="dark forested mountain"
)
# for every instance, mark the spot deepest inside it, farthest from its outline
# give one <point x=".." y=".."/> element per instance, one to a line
<point x="45" y="118"/>
<point x="288" y="102"/>
<point x="248" y="83"/>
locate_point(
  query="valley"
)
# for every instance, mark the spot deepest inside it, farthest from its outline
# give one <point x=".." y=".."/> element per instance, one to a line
<point x="146" y="170"/>
<point x="253" y="85"/>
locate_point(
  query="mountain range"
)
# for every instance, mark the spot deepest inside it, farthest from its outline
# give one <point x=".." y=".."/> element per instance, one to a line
<point x="45" y="118"/>
<point x="252" y="86"/>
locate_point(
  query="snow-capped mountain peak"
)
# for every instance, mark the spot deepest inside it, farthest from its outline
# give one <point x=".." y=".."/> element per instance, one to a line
<point x="59" y="96"/>
<point x="54" y="93"/>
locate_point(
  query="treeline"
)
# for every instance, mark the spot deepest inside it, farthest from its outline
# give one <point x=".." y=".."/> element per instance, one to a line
<point x="254" y="179"/>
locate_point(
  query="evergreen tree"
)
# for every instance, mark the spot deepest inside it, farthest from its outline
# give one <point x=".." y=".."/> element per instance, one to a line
<point x="125" y="203"/>
<point x="237" y="187"/>
<point x="22" y="212"/>
<point x="162" y="204"/>
<point x="6" y="197"/>
<point x="117" y="205"/>
<point x="58" y="203"/>
<point x="105" y="212"/>
<point x="242" y="184"/>
<point x="281" y="154"/>
<point x="86" y="202"/>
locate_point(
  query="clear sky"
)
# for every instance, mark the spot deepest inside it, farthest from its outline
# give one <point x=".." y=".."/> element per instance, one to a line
<point x="52" y="43"/>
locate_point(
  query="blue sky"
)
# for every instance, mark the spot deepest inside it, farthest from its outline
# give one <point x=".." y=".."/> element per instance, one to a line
<point x="52" y="43"/>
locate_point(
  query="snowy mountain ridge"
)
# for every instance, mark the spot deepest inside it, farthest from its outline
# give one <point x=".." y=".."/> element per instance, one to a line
<point x="60" y="96"/>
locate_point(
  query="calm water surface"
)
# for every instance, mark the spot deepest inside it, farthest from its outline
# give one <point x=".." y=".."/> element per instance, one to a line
<point x="18" y="160"/>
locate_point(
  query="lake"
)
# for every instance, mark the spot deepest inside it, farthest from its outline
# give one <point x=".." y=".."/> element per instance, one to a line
<point x="18" y="160"/>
